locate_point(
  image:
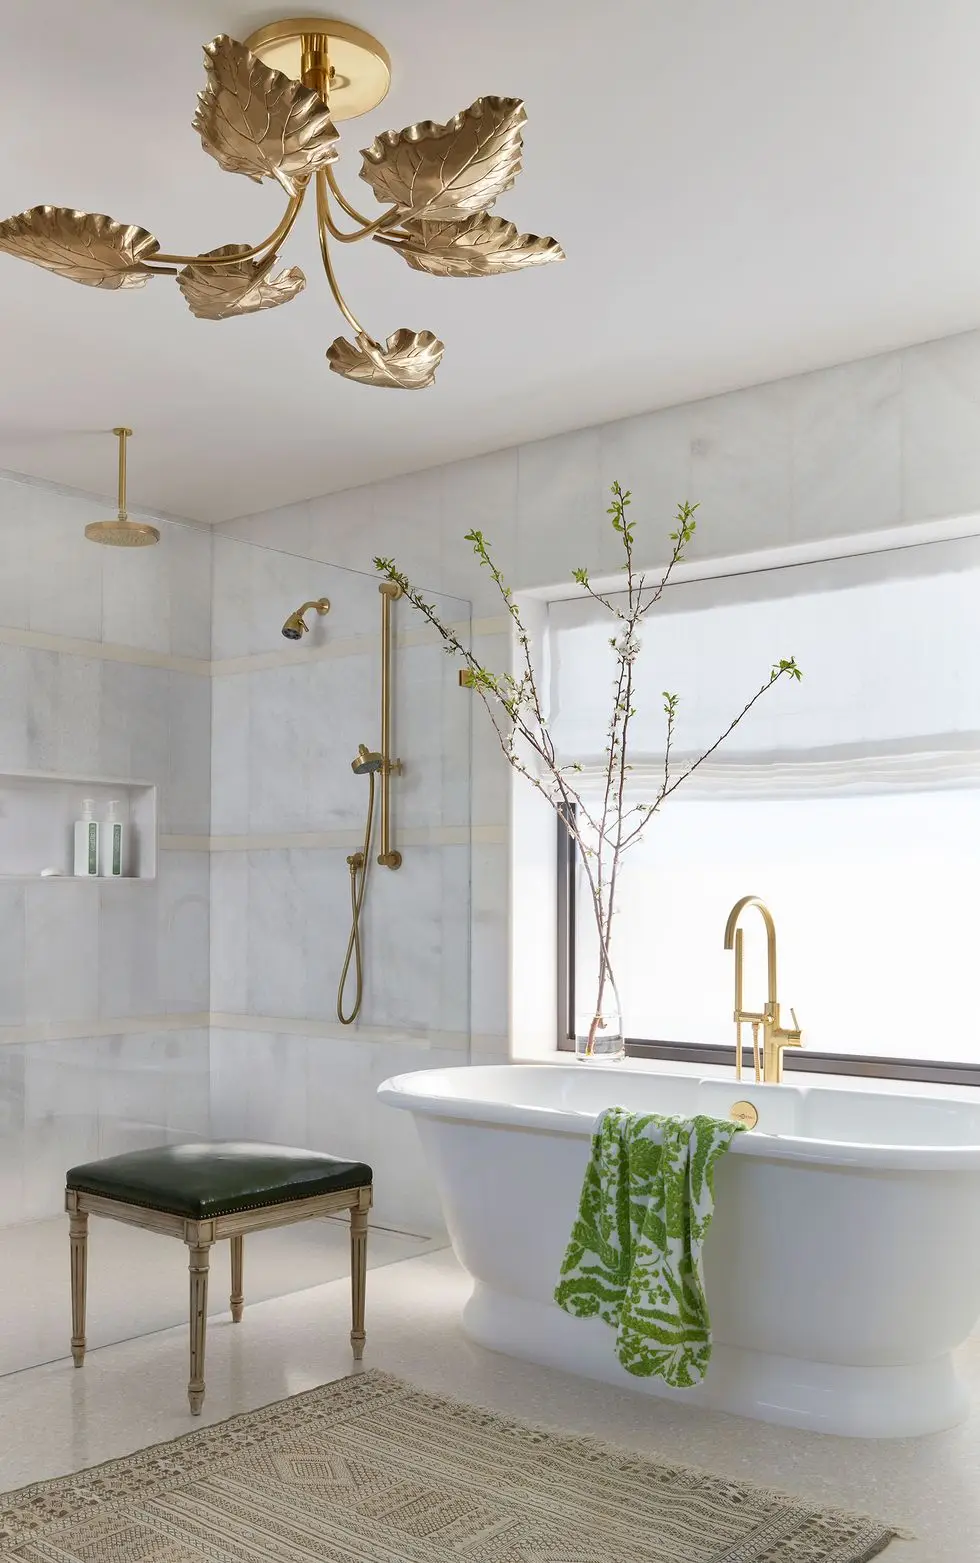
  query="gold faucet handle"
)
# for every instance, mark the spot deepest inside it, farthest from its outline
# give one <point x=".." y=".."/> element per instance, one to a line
<point x="790" y="1036"/>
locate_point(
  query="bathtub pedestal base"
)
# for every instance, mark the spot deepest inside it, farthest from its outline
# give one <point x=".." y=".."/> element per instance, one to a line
<point x="854" y="1401"/>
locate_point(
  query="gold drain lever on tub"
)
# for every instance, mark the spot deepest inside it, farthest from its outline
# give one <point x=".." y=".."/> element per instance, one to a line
<point x="745" y="1112"/>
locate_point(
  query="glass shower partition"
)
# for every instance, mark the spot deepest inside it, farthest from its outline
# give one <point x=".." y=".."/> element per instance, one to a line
<point x="200" y="998"/>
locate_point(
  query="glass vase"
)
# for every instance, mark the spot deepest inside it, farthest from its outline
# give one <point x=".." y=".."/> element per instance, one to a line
<point x="599" y="1036"/>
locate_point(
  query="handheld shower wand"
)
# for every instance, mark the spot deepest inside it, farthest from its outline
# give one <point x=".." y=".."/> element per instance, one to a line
<point x="365" y="763"/>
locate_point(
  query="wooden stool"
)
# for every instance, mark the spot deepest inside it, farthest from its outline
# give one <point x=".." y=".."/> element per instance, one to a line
<point x="203" y="1193"/>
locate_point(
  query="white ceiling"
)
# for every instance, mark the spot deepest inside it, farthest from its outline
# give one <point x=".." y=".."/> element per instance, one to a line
<point x="745" y="189"/>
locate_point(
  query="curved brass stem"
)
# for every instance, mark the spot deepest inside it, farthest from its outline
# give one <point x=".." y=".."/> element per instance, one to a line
<point x="394" y="239"/>
<point x="385" y="220"/>
<point x="362" y="233"/>
<point x="323" y="226"/>
<point x="342" y="200"/>
<point x="276" y="237"/>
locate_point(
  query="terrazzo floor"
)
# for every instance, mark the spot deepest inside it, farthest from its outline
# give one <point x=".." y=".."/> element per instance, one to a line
<point x="137" y="1281"/>
<point x="54" y="1419"/>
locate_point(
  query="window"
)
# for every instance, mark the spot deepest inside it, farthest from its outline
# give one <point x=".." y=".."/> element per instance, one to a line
<point x="849" y="803"/>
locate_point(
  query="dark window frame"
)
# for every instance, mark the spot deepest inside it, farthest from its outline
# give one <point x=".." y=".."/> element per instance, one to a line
<point x="806" y="1061"/>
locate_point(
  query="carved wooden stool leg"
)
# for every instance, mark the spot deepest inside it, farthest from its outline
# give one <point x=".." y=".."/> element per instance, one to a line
<point x="198" y="1260"/>
<point x="78" y="1239"/>
<point x="358" y="1277"/>
<point x="237" y="1274"/>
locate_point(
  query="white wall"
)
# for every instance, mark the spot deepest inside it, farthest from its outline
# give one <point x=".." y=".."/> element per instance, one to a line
<point x="867" y="445"/>
<point x="103" y="985"/>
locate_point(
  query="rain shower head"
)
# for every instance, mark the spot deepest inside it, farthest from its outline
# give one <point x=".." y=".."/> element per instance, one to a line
<point x="367" y="761"/>
<point x="296" y="626"/>
<point x="122" y="532"/>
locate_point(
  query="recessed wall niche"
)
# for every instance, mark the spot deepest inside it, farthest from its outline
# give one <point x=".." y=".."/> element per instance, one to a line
<point x="38" y="811"/>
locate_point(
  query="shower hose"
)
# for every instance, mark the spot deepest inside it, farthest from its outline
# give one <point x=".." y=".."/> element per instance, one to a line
<point x="358" y="863"/>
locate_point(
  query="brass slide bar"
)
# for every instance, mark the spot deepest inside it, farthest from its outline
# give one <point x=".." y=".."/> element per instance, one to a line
<point x="388" y="858"/>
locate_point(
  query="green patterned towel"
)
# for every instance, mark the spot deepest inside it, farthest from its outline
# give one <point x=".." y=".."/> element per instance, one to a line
<point x="634" y="1256"/>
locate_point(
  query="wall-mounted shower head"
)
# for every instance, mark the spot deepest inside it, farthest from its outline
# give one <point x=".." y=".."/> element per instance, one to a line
<point x="296" y="626"/>
<point x="367" y="761"/>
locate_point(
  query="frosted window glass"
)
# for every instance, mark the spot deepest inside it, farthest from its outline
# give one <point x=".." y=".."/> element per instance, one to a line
<point x="850" y="803"/>
<point x="876" y="908"/>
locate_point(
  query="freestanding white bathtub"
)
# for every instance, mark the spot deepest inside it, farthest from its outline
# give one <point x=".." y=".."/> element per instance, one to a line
<point x="842" y="1267"/>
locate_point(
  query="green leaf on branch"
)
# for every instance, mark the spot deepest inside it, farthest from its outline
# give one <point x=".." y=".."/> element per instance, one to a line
<point x="621" y="499"/>
<point x="787" y="665"/>
<point x="686" y="527"/>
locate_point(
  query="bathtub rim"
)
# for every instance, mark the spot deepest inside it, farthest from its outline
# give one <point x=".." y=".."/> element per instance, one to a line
<point x="414" y="1092"/>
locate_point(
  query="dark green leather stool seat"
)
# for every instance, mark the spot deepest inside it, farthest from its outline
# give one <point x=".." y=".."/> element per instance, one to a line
<point x="204" y="1194"/>
<point x="217" y="1178"/>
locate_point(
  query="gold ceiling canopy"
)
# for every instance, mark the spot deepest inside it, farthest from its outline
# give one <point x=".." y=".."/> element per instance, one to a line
<point x="436" y="184"/>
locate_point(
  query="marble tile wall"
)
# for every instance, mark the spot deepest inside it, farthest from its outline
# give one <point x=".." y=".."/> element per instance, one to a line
<point x="63" y="1102"/>
<point x="320" y="1091"/>
<point x="286" y="812"/>
<point x="104" y="986"/>
<point x="861" y="446"/>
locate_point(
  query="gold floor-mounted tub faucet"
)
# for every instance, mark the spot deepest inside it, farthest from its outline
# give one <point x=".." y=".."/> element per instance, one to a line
<point x="774" y="1036"/>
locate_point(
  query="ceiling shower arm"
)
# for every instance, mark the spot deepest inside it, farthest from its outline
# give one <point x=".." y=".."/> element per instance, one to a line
<point x="280" y="233"/>
<point x="122" y="435"/>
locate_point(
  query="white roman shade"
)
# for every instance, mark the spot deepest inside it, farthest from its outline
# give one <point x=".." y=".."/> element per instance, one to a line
<point x="889" y="645"/>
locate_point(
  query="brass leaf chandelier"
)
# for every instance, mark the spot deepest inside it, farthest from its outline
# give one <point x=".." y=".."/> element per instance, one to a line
<point x="268" y="110"/>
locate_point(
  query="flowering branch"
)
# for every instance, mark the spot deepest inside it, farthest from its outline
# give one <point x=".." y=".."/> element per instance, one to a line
<point x="514" y="707"/>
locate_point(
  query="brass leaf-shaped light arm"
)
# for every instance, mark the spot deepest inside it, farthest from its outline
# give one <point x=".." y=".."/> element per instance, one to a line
<point x="85" y="247"/>
<point x="256" y="121"/>
<point x="435" y="182"/>
<point x="481" y="246"/>
<point x="409" y="359"/>
<point x="243" y="288"/>
<point x="443" y="173"/>
<point x="407" y="362"/>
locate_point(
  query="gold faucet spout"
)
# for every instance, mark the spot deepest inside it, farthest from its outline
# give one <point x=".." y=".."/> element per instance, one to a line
<point x="775" y="1037"/>
<point x="767" y="918"/>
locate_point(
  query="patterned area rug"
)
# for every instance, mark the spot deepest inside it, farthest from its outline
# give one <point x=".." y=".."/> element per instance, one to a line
<point x="369" y="1470"/>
